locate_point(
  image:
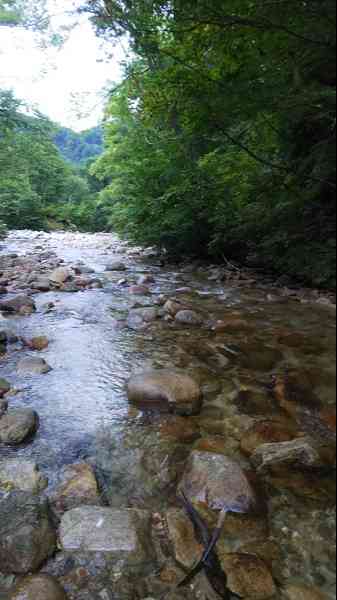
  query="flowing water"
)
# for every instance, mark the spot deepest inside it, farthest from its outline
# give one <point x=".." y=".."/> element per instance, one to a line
<point x="82" y="402"/>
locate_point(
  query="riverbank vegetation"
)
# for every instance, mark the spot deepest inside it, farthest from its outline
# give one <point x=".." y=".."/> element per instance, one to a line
<point x="39" y="189"/>
<point x="221" y="140"/>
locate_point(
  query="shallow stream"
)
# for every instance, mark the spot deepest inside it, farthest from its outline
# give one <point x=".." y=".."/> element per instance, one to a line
<point x="82" y="403"/>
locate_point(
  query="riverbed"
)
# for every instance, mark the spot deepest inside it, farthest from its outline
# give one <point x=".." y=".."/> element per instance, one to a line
<point x="250" y="337"/>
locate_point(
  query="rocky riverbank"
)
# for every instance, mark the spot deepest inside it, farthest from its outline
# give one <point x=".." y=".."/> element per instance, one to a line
<point x="125" y="386"/>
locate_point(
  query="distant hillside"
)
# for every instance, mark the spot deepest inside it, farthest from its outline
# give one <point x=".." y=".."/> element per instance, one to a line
<point x="78" y="148"/>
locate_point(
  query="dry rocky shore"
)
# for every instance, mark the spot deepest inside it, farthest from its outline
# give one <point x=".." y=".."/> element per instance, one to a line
<point x="241" y="419"/>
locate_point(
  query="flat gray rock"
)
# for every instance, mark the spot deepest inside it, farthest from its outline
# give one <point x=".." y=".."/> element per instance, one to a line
<point x="33" y="366"/>
<point x="120" y="533"/>
<point x="21" y="475"/>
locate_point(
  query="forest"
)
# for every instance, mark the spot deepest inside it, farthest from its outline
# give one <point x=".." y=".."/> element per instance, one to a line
<point x="219" y="142"/>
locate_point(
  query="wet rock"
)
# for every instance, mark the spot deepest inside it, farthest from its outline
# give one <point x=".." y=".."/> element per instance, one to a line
<point x="83" y="270"/>
<point x="248" y="577"/>
<point x="41" y="284"/>
<point x="217" y="482"/>
<point x="189" y="318"/>
<point x="255" y="403"/>
<point x="116" y="266"/>
<point x="27" y="537"/>
<point x="297" y="454"/>
<point x="140" y="318"/>
<point x="78" y="487"/>
<point x="187" y="551"/>
<point x="294" y="392"/>
<point x="38" y="343"/>
<point x="171" y="390"/>
<point x="22" y="475"/>
<point x="4" y="387"/>
<point x="173" y="307"/>
<point x="120" y="533"/>
<point x="23" y="305"/>
<point x="267" y="432"/>
<point x="60" y="276"/>
<point x="303" y="592"/>
<point x="146" y="280"/>
<point x="139" y="290"/>
<point x="38" y="587"/>
<point x="18" y="425"/>
<point x="33" y="366"/>
<point x="3" y="407"/>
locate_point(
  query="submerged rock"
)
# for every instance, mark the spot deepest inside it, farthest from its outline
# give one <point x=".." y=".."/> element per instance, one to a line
<point x="27" y="537"/>
<point x="267" y="432"/>
<point x="187" y="551"/>
<point x="38" y="587"/>
<point x="18" y="425"/>
<point x="78" y="487"/>
<point x="123" y="534"/>
<point x="22" y="475"/>
<point x="297" y="454"/>
<point x="218" y="483"/>
<point x="248" y="577"/>
<point x="303" y="592"/>
<point x="170" y="390"/>
<point x="33" y="366"/>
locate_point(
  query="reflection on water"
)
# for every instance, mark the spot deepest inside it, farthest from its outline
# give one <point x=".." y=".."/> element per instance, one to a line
<point x="82" y="402"/>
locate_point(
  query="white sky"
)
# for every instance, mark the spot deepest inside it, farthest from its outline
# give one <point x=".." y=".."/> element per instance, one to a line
<point x="65" y="84"/>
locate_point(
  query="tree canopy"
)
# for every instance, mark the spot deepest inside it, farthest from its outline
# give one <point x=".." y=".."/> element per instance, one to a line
<point x="222" y="138"/>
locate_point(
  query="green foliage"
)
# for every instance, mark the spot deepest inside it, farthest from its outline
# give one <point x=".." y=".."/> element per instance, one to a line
<point x="36" y="184"/>
<point x="221" y="140"/>
<point x="78" y="148"/>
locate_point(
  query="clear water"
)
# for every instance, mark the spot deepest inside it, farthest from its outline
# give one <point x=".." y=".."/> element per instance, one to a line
<point x="82" y="402"/>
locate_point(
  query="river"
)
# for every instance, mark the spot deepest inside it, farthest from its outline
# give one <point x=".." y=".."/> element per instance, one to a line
<point x="83" y="407"/>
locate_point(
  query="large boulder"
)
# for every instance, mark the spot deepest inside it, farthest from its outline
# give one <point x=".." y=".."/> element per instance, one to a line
<point x="19" y="304"/>
<point x="170" y="390"/>
<point x="33" y="366"/>
<point x="21" y="475"/>
<point x="18" y="425"/>
<point x="38" y="587"/>
<point x="121" y="534"/>
<point x="27" y="537"/>
<point x="218" y="483"/>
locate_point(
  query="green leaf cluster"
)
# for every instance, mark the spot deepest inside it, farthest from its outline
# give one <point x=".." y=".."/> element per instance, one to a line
<point x="221" y="141"/>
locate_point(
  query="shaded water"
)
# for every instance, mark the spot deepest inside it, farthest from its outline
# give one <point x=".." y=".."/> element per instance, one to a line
<point x="82" y="402"/>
